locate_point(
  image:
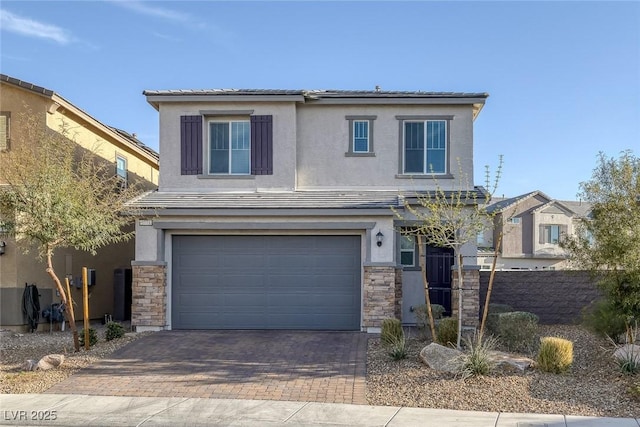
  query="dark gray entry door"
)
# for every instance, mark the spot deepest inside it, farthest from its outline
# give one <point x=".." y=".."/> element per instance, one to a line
<point x="266" y="282"/>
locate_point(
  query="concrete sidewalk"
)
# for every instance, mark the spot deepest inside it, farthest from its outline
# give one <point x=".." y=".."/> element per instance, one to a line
<point x="85" y="410"/>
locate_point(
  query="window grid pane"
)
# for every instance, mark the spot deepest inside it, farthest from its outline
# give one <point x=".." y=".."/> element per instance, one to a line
<point x="414" y="147"/>
<point x="360" y="136"/>
<point x="436" y="146"/>
<point x="230" y="148"/>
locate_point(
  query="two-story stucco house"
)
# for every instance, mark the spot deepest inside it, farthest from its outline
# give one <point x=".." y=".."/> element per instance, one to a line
<point x="274" y="206"/>
<point x="532" y="227"/>
<point x="132" y="161"/>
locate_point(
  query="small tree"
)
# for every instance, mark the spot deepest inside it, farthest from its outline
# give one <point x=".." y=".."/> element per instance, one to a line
<point x="448" y="219"/>
<point x="57" y="195"/>
<point x="608" y="242"/>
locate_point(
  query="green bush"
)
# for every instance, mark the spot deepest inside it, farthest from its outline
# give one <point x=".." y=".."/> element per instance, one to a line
<point x="93" y="337"/>
<point x="447" y="331"/>
<point x="555" y="355"/>
<point x="629" y="362"/>
<point x="604" y="320"/>
<point x="492" y="316"/>
<point x="391" y="331"/>
<point x="478" y="360"/>
<point x="517" y="330"/>
<point x="114" y="330"/>
<point x="422" y="316"/>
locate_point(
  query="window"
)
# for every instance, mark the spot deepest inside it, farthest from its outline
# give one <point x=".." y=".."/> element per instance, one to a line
<point x="5" y="127"/>
<point x="230" y="147"/>
<point x="121" y="169"/>
<point x="513" y="220"/>
<point x="407" y="251"/>
<point x="360" y="136"/>
<point x="550" y="233"/>
<point x="424" y="147"/>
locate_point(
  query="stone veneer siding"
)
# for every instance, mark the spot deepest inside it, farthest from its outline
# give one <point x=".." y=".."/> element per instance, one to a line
<point x="379" y="295"/>
<point x="470" y="297"/>
<point x="149" y="297"/>
<point x="398" y="293"/>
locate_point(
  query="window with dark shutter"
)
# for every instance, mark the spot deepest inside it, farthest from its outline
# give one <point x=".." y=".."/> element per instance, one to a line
<point x="191" y="145"/>
<point x="261" y="145"/>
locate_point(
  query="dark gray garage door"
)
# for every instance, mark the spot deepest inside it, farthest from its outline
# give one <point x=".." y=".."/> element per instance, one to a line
<point x="266" y="282"/>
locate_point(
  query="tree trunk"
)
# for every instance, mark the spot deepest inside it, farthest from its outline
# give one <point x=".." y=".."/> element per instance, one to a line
<point x="423" y="273"/>
<point x="485" y="312"/>
<point x="460" y="282"/>
<point x="68" y="312"/>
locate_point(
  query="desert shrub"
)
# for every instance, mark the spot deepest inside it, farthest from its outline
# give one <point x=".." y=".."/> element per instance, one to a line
<point x="492" y="316"/>
<point x="447" y="331"/>
<point x="391" y="331"/>
<point x="397" y="349"/>
<point x="93" y="337"/>
<point x="517" y="330"/>
<point x="629" y="361"/>
<point x="114" y="330"/>
<point x="555" y="355"/>
<point x="478" y="359"/>
<point x="604" y="320"/>
<point x="422" y="316"/>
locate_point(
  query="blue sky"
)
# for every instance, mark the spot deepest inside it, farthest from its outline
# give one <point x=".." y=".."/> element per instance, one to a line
<point x="563" y="77"/>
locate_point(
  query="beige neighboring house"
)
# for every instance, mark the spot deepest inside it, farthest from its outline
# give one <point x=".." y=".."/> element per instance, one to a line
<point x="274" y="207"/>
<point x="532" y="225"/>
<point x="132" y="161"/>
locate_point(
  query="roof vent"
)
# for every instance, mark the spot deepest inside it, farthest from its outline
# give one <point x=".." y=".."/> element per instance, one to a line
<point x="377" y="88"/>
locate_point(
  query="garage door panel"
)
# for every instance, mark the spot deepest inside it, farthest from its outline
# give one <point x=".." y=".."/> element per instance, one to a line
<point x="266" y="282"/>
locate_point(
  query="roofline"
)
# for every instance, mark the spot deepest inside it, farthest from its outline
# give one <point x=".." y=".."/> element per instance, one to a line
<point x="60" y="101"/>
<point x="155" y="97"/>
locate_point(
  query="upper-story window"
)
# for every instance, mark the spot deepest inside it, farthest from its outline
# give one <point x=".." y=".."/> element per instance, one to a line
<point x="551" y="233"/>
<point x="513" y="220"/>
<point x="425" y="147"/>
<point x="226" y="147"/>
<point x="230" y="147"/>
<point x="360" y="136"/>
<point x="121" y="169"/>
<point x="5" y="130"/>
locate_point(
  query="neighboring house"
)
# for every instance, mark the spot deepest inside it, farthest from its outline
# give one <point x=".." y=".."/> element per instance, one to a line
<point x="273" y="208"/>
<point x="132" y="161"/>
<point x="532" y="226"/>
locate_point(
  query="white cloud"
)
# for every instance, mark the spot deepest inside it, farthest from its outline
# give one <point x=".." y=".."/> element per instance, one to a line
<point x="159" y="12"/>
<point x="29" y="27"/>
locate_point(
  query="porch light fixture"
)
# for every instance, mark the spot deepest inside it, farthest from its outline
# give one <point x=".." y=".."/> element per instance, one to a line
<point x="379" y="238"/>
<point x="2" y="246"/>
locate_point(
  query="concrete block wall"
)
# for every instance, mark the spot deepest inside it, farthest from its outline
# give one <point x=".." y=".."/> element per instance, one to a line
<point x="556" y="297"/>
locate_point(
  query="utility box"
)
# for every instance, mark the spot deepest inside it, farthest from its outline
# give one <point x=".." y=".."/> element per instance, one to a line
<point x="122" y="296"/>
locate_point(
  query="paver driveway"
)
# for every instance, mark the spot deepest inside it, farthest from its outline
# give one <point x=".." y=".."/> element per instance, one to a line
<point x="278" y="365"/>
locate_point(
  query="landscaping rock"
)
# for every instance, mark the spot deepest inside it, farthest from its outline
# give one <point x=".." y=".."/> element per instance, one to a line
<point x="29" y="365"/>
<point x="441" y="358"/>
<point x="506" y="362"/>
<point x="628" y="352"/>
<point x="50" y="361"/>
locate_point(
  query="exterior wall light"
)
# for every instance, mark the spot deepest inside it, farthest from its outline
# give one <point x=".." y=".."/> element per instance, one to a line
<point x="2" y="246"/>
<point x="379" y="238"/>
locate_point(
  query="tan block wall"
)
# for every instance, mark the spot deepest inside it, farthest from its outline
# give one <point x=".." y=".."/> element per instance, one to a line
<point x="149" y="302"/>
<point x="380" y="298"/>
<point x="470" y="298"/>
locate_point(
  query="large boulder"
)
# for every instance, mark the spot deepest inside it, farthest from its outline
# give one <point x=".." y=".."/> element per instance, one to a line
<point x="628" y="352"/>
<point x="441" y="358"/>
<point x="50" y="361"/>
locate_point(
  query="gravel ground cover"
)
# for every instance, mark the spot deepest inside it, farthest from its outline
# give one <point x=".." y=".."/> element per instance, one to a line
<point x="16" y="348"/>
<point x="593" y="387"/>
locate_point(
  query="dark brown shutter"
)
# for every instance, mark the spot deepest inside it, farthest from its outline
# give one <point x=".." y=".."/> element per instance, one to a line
<point x="190" y="145"/>
<point x="261" y="145"/>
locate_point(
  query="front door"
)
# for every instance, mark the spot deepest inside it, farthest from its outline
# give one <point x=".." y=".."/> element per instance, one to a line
<point x="439" y="262"/>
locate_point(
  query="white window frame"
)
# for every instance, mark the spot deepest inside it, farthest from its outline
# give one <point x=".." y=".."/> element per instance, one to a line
<point x="230" y="149"/>
<point x="548" y="234"/>
<point x="513" y="220"/>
